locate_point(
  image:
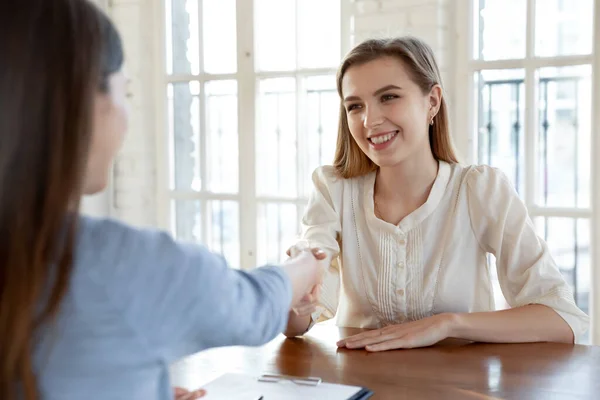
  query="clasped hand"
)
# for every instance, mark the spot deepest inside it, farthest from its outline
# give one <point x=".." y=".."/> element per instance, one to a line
<point x="308" y="303"/>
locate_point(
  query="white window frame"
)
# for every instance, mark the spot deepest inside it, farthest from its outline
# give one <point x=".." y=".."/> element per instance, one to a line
<point x="466" y="121"/>
<point x="247" y="93"/>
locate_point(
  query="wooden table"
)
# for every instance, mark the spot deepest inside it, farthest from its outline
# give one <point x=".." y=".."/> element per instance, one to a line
<point x="450" y="370"/>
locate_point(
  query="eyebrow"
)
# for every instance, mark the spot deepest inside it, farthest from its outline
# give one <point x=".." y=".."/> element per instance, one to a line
<point x="375" y="93"/>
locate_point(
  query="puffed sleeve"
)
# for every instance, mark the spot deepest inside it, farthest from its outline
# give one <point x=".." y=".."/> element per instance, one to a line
<point x="321" y="227"/>
<point x="527" y="272"/>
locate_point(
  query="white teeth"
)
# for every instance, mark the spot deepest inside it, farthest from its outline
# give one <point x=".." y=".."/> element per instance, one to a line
<point x="383" y="139"/>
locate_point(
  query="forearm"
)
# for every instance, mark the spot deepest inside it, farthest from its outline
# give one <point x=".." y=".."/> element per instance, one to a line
<point x="531" y="323"/>
<point x="297" y="325"/>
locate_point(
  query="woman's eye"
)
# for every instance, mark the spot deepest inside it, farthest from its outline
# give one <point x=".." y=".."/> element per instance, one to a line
<point x="387" y="97"/>
<point x="353" y="107"/>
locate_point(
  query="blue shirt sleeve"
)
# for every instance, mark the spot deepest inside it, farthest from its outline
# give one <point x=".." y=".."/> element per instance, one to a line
<point x="181" y="298"/>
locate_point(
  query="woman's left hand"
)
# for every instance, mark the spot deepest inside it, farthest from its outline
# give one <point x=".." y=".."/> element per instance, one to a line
<point x="184" y="394"/>
<point x="422" y="333"/>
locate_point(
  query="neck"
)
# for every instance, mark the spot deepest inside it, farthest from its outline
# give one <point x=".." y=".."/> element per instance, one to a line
<point x="409" y="180"/>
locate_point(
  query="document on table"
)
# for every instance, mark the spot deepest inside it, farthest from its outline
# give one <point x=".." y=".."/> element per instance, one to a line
<point x="247" y="387"/>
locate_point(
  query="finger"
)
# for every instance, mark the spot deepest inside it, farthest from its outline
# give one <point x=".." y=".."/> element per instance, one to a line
<point x="308" y="301"/>
<point x="304" y="308"/>
<point x="310" y="298"/>
<point x="293" y="251"/>
<point x="297" y="248"/>
<point x="315" y="292"/>
<point x="179" y="391"/>
<point x="306" y="298"/>
<point x="377" y="336"/>
<point x="318" y="253"/>
<point x="403" y="329"/>
<point x="198" y="394"/>
<point x="304" y="311"/>
<point x="401" y="343"/>
<point x="360" y="336"/>
<point x="359" y="344"/>
<point x="413" y="334"/>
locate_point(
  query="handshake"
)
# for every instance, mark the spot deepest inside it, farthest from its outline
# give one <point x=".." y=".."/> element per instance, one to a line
<point x="305" y="269"/>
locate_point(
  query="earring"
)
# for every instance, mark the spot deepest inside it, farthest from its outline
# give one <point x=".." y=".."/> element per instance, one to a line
<point x="431" y="122"/>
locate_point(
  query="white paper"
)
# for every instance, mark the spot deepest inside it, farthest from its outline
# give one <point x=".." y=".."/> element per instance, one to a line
<point x="247" y="387"/>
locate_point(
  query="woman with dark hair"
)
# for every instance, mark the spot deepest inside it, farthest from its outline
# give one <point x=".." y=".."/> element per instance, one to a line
<point x="92" y="308"/>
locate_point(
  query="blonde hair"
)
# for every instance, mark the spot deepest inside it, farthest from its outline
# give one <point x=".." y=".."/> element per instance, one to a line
<point x="350" y="161"/>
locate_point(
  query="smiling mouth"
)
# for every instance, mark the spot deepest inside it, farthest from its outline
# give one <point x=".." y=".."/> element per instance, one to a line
<point x="383" y="138"/>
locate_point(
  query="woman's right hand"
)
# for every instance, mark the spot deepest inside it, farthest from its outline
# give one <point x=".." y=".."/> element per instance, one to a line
<point x="305" y="272"/>
<point x="308" y="303"/>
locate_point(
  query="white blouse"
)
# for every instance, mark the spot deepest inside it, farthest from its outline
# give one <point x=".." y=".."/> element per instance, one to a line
<point x="435" y="259"/>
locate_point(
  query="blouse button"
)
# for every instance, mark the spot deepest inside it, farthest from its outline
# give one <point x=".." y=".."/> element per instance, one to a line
<point x="400" y="292"/>
<point x="400" y="264"/>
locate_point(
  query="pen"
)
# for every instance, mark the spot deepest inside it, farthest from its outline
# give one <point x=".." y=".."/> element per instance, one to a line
<point x="261" y="398"/>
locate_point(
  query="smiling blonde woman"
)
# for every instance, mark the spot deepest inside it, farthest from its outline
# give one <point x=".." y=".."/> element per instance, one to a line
<point x="407" y="229"/>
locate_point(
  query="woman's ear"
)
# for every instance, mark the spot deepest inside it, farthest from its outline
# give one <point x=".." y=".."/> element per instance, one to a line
<point x="435" y="100"/>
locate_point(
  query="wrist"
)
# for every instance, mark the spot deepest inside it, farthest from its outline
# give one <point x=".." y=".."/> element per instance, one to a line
<point x="296" y="325"/>
<point x="455" y="325"/>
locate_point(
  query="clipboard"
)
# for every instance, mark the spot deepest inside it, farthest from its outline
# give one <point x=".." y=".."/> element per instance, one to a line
<point x="234" y="386"/>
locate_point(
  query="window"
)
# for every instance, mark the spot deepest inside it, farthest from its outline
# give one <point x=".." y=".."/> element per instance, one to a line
<point x="251" y="112"/>
<point x="531" y="64"/>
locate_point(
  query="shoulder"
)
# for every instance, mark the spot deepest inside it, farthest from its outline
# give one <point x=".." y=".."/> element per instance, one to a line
<point x="104" y="234"/>
<point x="328" y="184"/>
<point x="490" y="194"/>
<point x="327" y="181"/>
<point x="327" y="176"/>
<point x="127" y="261"/>
<point x="484" y="180"/>
<point x="114" y="247"/>
<point x="92" y="226"/>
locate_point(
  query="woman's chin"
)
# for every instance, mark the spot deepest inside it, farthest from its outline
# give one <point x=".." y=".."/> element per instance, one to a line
<point x="387" y="161"/>
<point x="95" y="187"/>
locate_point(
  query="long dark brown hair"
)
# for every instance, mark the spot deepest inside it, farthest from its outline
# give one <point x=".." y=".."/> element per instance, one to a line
<point x="55" y="57"/>
<point x="418" y="57"/>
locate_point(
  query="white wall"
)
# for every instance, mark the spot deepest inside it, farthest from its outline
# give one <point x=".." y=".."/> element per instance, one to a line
<point x="134" y="179"/>
<point x="434" y="21"/>
<point x="98" y="205"/>
<point x="134" y="174"/>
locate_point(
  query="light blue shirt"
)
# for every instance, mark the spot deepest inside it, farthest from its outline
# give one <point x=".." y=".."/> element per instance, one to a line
<point x="138" y="301"/>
